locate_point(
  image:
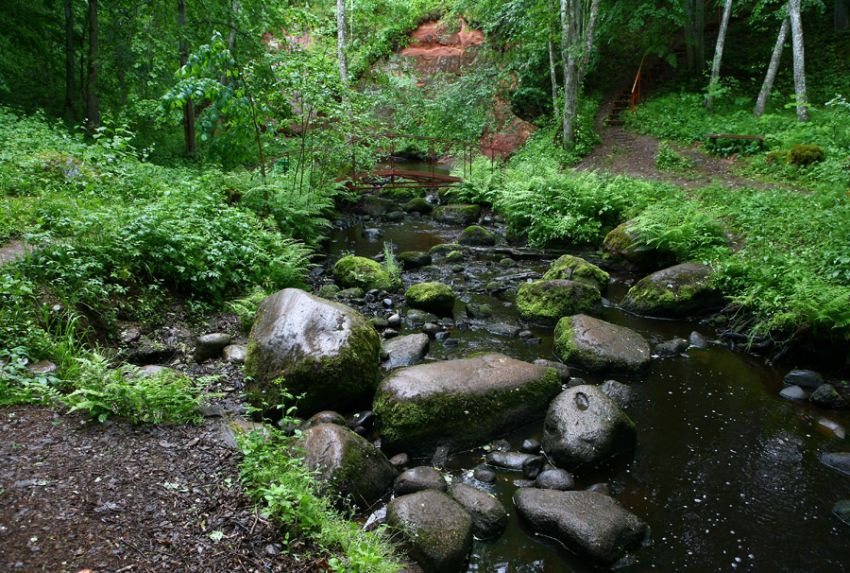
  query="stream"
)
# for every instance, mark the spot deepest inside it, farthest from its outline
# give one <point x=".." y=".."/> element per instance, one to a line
<point x="726" y="472"/>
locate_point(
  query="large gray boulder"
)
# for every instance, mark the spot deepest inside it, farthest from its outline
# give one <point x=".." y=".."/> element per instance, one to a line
<point x="436" y="529"/>
<point x="597" y="345"/>
<point x="406" y="350"/>
<point x="347" y="464"/>
<point x="584" y="426"/>
<point x="591" y="524"/>
<point x="311" y="346"/>
<point x="489" y="517"/>
<point x="681" y="290"/>
<point x="461" y="402"/>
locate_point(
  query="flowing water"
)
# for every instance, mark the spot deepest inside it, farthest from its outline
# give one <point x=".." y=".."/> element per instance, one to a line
<point x="725" y="472"/>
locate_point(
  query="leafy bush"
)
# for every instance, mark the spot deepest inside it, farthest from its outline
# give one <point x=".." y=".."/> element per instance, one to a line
<point x="803" y="154"/>
<point x="683" y="228"/>
<point x="20" y="386"/>
<point x="669" y="159"/>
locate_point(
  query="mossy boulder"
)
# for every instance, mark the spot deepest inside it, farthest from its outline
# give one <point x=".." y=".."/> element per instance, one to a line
<point x="457" y="214"/>
<point x="462" y="402"/>
<point x="443" y="249"/>
<point x="574" y="268"/>
<point x="477" y="236"/>
<point x="549" y="300"/>
<point x="308" y="345"/>
<point x="413" y="259"/>
<point x="418" y="205"/>
<point x="802" y="154"/>
<point x="373" y="205"/>
<point x="454" y="257"/>
<point x="431" y="297"/>
<point x="623" y="245"/>
<point x="597" y="345"/>
<point x="353" y="271"/>
<point x="678" y="291"/>
<point x="346" y="464"/>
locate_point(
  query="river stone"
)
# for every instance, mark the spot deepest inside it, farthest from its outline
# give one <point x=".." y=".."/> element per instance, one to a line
<point x="547" y="301"/>
<point x="509" y="460"/>
<point x="431" y="297"/>
<point x="555" y="478"/>
<point x="373" y="206"/>
<point x="530" y="446"/>
<point x="484" y="474"/>
<point x="617" y="391"/>
<point x="436" y="528"/>
<point x="477" y="236"/>
<point x="826" y="396"/>
<point x="321" y="349"/>
<point x="793" y="393"/>
<point x="443" y="249"/>
<point x="461" y="402"/>
<point x="325" y="417"/>
<point x="584" y="426"/>
<point x="591" y="524"/>
<point x="489" y="516"/>
<point x="838" y="461"/>
<point x="598" y="345"/>
<point x="569" y="267"/>
<point x="234" y="353"/>
<point x="622" y="245"/>
<point x="359" y="272"/>
<point x="457" y="214"/>
<point x="347" y="463"/>
<point x="678" y="291"/>
<point x="417" y="479"/>
<point x="841" y="510"/>
<point x="413" y="259"/>
<point x="418" y="205"/>
<point x="672" y="347"/>
<point x="372" y="234"/>
<point x="806" y="379"/>
<point x="562" y="369"/>
<point x="406" y="350"/>
<point x="399" y="460"/>
<point x="211" y="345"/>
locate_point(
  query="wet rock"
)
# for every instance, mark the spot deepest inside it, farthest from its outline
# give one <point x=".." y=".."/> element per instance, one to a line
<point x="373" y="206"/>
<point x="569" y="267"/>
<point x="500" y="445"/>
<point x="43" y="368"/>
<point x="549" y="300"/>
<point x="399" y="460"/>
<point x="451" y="342"/>
<point x="600" y="488"/>
<point x="672" y="347"/>
<point x="352" y="271"/>
<point x="130" y="335"/>
<point x="525" y="334"/>
<point x="558" y="479"/>
<point x="502" y="329"/>
<point x="417" y="479"/>
<point x="794" y="393"/>
<point x="406" y="350"/>
<point x="372" y="234"/>
<point x="431" y="329"/>
<point x="234" y="353"/>
<point x="678" y="291"/>
<point x="434" y="297"/>
<point x="697" y="340"/>
<point x="562" y="369"/>
<point x="622" y="245"/>
<point x="617" y="391"/>
<point x="591" y="524"/>
<point x="805" y="379"/>
<point x="378" y="322"/>
<point x="841" y="510"/>
<point x="441" y="336"/>
<point x="834" y="428"/>
<point x="507" y="262"/>
<point x="477" y="236"/>
<point x="532" y="466"/>
<point x="350" y="293"/>
<point x="439" y="251"/>
<point x="347" y="464"/>
<point x="325" y="417"/>
<point x="436" y="529"/>
<point x="484" y="474"/>
<point x="598" y="345"/>
<point x="838" y="461"/>
<point x="418" y="205"/>
<point x="489" y="517"/>
<point x="329" y="291"/>
<point x="413" y="259"/>
<point x="387" y="302"/>
<point x="154" y="370"/>
<point x="479" y="310"/>
<point x="394" y="320"/>
<point x="394" y="216"/>
<point x="365" y="419"/>
<point x="390" y="333"/>
<point x="440" y="457"/>
<point x="417" y="318"/>
<point x="322" y="349"/>
<point x="826" y="396"/>
<point x="584" y="426"/>
<point x="457" y="214"/>
<point x="509" y="460"/>
<point x="454" y="257"/>
<point x="530" y="446"/>
<point x="461" y="402"/>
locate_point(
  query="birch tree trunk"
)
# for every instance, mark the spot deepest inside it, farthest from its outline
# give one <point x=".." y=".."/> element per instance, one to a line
<point x="799" y="59"/>
<point x="718" y="53"/>
<point x="69" y="61"/>
<point x="92" y="102"/>
<point x="770" y="76"/>
<point x="553" y="76"/>
<point x="340" y="40"/>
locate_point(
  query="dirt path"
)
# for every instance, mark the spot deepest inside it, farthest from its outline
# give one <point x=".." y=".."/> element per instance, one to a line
<point x="78" y="496"/>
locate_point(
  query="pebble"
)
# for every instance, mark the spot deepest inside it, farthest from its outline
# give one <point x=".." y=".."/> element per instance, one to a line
<point x="394" y="320"/>
<point x="484" y="474"/>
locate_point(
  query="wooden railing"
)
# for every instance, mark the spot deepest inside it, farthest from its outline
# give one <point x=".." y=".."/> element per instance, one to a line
<point x="637" y="85"/>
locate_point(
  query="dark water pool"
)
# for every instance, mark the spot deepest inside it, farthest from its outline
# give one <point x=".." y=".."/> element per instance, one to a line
<point x="726" y="472"/>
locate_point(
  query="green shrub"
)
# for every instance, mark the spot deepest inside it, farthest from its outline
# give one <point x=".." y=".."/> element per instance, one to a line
<point x="669" y="159"/>
<point x="803" y="154"/>
<point x="20" y="386"/>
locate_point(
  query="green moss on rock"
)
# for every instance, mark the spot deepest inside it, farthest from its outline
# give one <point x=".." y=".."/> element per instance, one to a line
<point x="418" y="205"/>
<point x="478" y="236"/>
<point x="459" y="214"/>
<point x="677" y="291"/>
<point x="360" y="272"/>
<point x="574" y="268"/>
<point x="432" y="297"/>
<point x="622" y="244"/>
<point x="597" y="345"/>
<point x="549" y="300"/>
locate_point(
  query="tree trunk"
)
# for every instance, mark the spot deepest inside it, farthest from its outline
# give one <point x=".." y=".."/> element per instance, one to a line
<point x="340" y="40"/>
<point x="92" y="104"/>
<point x="189" y="108"/>
<point x="799" y="59"/>
<point x="699" y="34"/>
<point x="718" y="53"/>
<point x="553" y="76"/>
<point x="841" y="15"/>
<point x="767" y="86"/>
<point x="578" y="27"/>
<point x="231" y="37"/>
<point x="69" y="61"/>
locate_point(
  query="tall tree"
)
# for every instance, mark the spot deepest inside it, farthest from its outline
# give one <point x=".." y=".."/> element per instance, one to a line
<point x="92" y="101"/>
<point x="578" y="29"/>
<point x="799" y="59"/>
<point x="340" y="45"/>
<point x="718" y="53"/>
<point x="770" y="76"/>
<point x="189" y="107"/>
<point x="695" y="34"/>
<point x="69" y="60"/>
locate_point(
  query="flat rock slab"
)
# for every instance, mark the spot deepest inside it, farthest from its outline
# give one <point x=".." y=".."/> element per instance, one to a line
<point x="461" y="402"/>
<point x="406" y="350"/>
<point x="598" y="345"/>
<point x="591" y="524"/>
